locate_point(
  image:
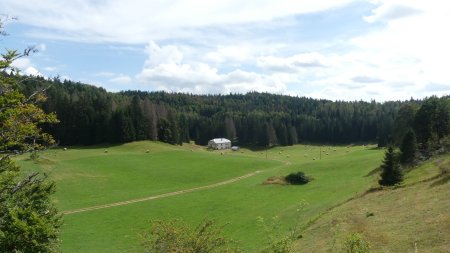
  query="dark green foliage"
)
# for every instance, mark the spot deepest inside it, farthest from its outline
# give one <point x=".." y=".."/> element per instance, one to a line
<point x="403" y="122"/>
<point x="432" y="124"/>
<point x="408" y="148"/>
<point x="164" y="131"/>
<point x="422" y="130"/>
<point x="177" y="236"/>
<point x="423" y="122"/>
<point x="90" y="115"/>
<point x="297" y="178"/>
<point x="29" y="221"/>
<point x="139" y="122"/>
<point x="391" y="172"/>
<point x="385" y="127"/>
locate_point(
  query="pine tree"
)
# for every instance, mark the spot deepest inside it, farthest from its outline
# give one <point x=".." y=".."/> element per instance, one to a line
<point x="408" y="148"/>
<point x="391" y="173"/>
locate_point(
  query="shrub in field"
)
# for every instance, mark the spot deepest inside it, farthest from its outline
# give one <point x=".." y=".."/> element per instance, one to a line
<point x="355" y="243"/>
<point x="297" y="178"/>
<point x="177" y="236"/>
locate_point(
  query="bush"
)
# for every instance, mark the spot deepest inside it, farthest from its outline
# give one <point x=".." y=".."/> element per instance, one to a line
<point x="355" y="243"/>
<point x="444" y="169"/>
<point x="177" y="236"/>
<point x="297" y="178"/>
<point x="34" y="156"/>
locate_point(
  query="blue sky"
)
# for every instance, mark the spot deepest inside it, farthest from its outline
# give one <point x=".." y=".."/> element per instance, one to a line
<point x="332" y="49"/>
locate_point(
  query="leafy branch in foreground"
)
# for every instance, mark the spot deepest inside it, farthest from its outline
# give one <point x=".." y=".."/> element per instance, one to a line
<point x="29" y="221"/>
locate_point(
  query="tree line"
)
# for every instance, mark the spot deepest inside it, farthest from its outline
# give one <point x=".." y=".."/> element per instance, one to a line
<point x="91" y="115"/>
<point x="419" y="132"/>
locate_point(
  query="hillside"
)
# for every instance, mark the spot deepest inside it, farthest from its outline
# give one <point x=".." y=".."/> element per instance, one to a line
<point x="109" y="181"/>
<point x="411" y="218"/>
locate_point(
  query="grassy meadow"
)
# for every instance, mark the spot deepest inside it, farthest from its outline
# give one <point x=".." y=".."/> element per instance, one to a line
<point x="411" y="218"/>
<point x="94" y="176"/>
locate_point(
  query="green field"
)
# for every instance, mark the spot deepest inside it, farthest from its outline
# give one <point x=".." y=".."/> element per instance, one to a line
<point x="410" y="218"/>
<point x="87" y="177"/>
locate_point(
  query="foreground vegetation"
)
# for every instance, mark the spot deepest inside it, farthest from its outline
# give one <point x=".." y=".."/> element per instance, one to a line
<point x="91" y="176"/>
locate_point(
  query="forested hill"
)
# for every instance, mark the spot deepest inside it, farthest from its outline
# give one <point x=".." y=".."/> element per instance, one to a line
<point x="91" y="115"/>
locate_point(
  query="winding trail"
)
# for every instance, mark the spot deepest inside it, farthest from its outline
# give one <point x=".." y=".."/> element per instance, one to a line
<point x="164" y="195"/>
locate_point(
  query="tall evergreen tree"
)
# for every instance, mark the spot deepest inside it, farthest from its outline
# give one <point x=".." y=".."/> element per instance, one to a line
<point x="403" y="122"/>
<point x="423" y="122"/>
<point x="139" y="121"/>
<point x="442" y="119"/>
<point x="408" y="148"/>
<point x="164" y="131"/>
<point x="391" y="172"/>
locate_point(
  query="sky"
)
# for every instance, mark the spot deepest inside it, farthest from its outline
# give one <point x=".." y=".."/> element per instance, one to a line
<point x="330" y="49"/>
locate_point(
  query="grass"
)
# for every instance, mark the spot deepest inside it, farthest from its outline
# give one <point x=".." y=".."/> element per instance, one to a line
<point x="91" y="176"/>
<point x="410" y="218"/>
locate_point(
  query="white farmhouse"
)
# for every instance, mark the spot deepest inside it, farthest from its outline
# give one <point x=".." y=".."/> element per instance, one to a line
<point x="219" y="143"/>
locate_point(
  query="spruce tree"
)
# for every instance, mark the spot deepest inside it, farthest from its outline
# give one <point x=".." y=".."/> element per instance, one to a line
<point x="391" y="172"/>
<point x="408" y="148"/>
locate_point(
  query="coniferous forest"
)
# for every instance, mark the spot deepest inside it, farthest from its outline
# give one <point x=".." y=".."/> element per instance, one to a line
<point x="89" y="115"/>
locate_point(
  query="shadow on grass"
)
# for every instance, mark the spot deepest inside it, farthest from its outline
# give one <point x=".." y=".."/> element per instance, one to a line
<point x="373" y="172"/>
<point x="105" y="145"/>
<point x="441" y="181"/>
<point x="259" y="148"/>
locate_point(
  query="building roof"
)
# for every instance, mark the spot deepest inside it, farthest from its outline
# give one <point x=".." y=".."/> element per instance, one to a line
<point x="220" y="140"/>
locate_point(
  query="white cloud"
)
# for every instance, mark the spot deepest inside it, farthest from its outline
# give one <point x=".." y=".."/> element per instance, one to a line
<point x="50" y="69"/>
<point x="26" y="67"/>
<point x="390" y="10"/>
<point x="366" y="79"/>
<point x="121" y="79"/>
<point x="413" y="46"/>
<point x="138" y="21"/>
<point x="32" y="71"/>
<point x="405" y="56"/>
<point x="163" y="55"/>
<point x="112" y="78"/>
<point x="234" y="53"/>
<point x="398" y="50"/>
<point x="41" y="47"/>
<point x="293" y="63"/>
<point x="167" y="70"/>
<point x="106" y="74"/>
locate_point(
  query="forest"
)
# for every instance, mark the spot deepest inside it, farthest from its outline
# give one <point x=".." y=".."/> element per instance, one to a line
<point x="90" y="115"/>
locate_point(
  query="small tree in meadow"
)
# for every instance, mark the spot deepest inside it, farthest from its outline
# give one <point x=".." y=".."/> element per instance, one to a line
<point x="391" y="172"/>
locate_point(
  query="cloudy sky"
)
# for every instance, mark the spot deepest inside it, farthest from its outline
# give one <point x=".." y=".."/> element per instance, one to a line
<point x="332" y="49"/>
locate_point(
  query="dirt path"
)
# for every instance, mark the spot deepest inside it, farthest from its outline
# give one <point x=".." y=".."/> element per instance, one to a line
<point x="164" y="195"/>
